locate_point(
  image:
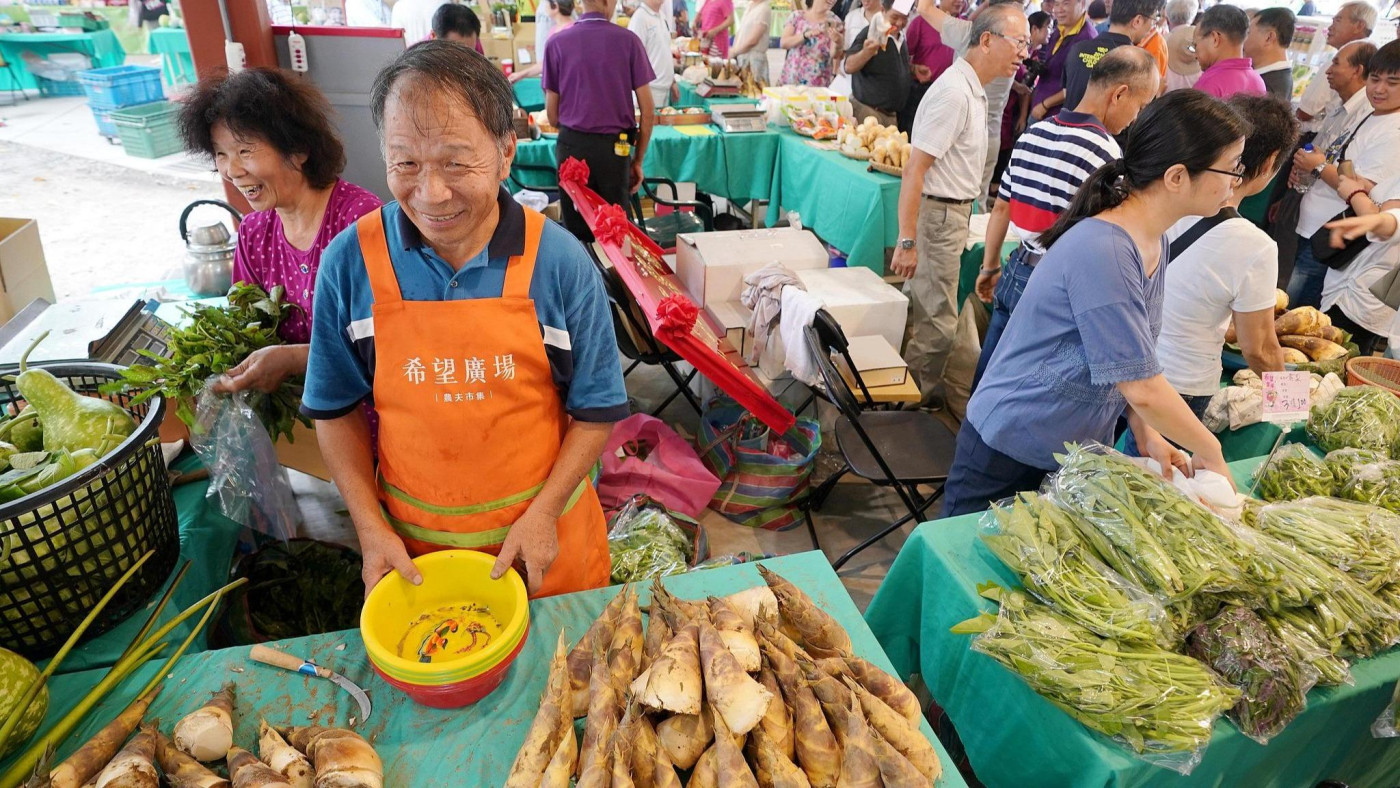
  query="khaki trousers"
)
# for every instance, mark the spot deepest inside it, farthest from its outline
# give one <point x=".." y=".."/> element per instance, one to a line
<point x="933" y="292"/>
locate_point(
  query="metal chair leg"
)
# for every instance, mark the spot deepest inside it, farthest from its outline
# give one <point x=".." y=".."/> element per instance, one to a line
<point x="631" y="367"/>
<point x="811" y="528"/>
<point x="682" y="388"/>
<point x="823" y="491"/>
<point x="891" y="528"/>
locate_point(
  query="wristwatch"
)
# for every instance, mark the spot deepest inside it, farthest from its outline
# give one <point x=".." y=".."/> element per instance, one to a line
<point x="906" y="244"/>
<point x="1317" y="171"/>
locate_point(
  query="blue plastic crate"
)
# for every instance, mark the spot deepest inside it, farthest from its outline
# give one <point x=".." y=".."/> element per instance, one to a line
<point x="56" y="87"/>
<point x="105" y="125"/>
<point x="115" y="87"/>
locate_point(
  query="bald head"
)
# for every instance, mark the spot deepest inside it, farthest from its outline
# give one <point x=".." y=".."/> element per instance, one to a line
<point x="1120" y="85"/>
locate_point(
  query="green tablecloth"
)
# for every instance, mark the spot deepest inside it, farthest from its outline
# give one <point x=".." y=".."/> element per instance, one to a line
<point x="851" y="208"/>
<point x="738" y="167"/>
<point x="529" y="94"/>
<point x="133" y="39"/>
<point x="101" y="46"/>
<point x="207" y="541"/>
<point x="689" y="98"/>
<point x="428" y="747"/>
<point x="176" y="62"/>
<point x="1013" y="737"/>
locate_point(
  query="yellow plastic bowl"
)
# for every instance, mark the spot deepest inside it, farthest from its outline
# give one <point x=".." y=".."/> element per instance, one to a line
<point x="449" y="577"/>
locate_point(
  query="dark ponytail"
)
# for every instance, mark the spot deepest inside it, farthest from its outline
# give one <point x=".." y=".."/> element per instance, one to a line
<point x="1184" y="127"/>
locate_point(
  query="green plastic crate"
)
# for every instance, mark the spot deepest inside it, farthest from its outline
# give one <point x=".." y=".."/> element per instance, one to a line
<point x="148" y="130"/>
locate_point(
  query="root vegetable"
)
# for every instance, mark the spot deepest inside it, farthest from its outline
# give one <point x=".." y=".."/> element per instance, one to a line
<point x="658" y="633"/>
<point x="777" y="721"/>
<point x="622" y="752"/>
<point x="581" y="657"/>
<point x="343" y="759"/>
<point x="625" y="651"/>
<point x="561" y="766"/>
<point x="89" y="759"/>
<point x="207" y="732"/>
<point x="542" y="739"/>
<point x="685" y="737"/>
<point x="284" y="759"/>
<point x="247" y="771"/>
<point x="1291" y="356"/>
<point x="733" y="770"/>
<point x="822" y="636"/>
<point x="901" y="734"/>
<point x="677" y="612"/>
<point x="895" y="770"/>
<point x="773" y="768"/>
<point x="1303" y="320"/>
<point x="134" y="766"/>
<point x="651" y="766"/>
<point x="604" y="712"/>
<point x="736" y="633"/>
<point x="706" y="771"/>
<point x="733" y="693"/>
<point x="598" y="772"/>
<point x="813" y="741"/>
<point x="886" y="687"/>
<point x="1317" y="348"/>
<point x="674" y="680"/>
<point x="751" y="602"/>
<point x="859" y="768"/>
<point x="181" y="770"/>
<point x="1332" y="334"/>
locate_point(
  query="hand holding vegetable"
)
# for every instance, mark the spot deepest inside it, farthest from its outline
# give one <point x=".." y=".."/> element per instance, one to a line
<point x="264" y="370"/>
<point x="534" y="539"/>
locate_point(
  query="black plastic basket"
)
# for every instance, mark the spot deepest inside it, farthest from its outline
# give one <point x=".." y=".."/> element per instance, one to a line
<point x="65" y="546"/>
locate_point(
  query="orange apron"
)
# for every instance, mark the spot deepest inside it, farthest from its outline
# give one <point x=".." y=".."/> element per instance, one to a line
<point x="470" y="421"/>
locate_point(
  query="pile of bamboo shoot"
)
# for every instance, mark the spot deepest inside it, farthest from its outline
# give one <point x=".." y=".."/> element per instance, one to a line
<point x="756" y="689"/>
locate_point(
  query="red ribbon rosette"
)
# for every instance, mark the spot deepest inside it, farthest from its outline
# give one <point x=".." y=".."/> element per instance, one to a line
<point x="573" y="171"/>
<point x="677" y="315"/>
<point x="610" y="224"/>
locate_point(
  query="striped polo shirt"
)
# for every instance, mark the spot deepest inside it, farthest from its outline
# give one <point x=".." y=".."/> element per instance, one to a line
<point x="1049" y="163"/>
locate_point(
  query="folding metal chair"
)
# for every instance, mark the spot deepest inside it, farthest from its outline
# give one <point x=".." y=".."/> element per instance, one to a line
<point x="664" y="229"/>
<point x="902" y="449"/>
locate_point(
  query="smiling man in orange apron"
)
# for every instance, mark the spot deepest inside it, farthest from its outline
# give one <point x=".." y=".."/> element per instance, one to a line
<point x="483" y="334"/>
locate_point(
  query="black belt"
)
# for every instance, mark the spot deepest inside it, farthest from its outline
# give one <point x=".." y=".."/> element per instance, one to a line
<point x="948" y="200"/>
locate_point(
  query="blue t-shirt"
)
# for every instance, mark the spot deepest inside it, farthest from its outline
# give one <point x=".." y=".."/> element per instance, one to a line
<point x="574" y="316"/>
<point x="1088" y="320"/>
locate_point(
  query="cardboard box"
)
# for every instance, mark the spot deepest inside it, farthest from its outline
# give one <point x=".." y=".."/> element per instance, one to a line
<point x="712" y="266"/>
<point x="860" y="301"/>
<point x="734" y="318"/>
<point x="877" y="361"/>
<point x="24" y="275"/>
<point x="303" y="453"/>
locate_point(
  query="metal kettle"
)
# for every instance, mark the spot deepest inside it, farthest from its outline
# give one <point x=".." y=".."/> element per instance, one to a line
<point x="208" y="265"/>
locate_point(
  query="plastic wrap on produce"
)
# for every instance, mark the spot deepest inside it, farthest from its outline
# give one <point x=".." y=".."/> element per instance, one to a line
<point x="1359" y="539"/>
<point x="1293" y="472"/>
<point x="1384" y="726"/>
<point x="1377" y="484"/>
<point x="1159" y="704"/>
<point x="1040" y="543"/>
<point x="646" y="540"/>
<point x="1343" y="462"/>
<point x="244" y="471"/>
<point x="1280" y="574"/>
<point x="1362" y="417"/>
<point x="1332" y="670"/>
<point x="1273" y="686"/>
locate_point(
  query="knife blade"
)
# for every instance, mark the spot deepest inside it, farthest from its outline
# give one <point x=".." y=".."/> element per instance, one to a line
<point x="281" y="659"/>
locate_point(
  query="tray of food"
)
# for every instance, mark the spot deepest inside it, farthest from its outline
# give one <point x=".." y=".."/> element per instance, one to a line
<point x="689" y="116"/>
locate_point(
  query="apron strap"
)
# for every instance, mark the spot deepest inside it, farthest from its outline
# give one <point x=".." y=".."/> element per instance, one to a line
<point x="472" y="539"/>
<point x="520" y="270"/>
<point x="374" y="246"/>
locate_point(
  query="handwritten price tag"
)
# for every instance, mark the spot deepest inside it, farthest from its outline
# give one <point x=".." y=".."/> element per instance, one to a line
<point x="1286" y="396"/>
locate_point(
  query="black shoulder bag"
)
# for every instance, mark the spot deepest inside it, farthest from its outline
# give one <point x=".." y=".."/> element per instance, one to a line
<point x="1321" y="241"/>
<point x="1199" y="229"/>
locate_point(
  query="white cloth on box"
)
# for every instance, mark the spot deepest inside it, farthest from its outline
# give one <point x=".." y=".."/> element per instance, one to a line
<point x="798" y="309"/>
<point x="763" y="295"/>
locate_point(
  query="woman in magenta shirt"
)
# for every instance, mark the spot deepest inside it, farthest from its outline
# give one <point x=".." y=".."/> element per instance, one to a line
<point x="712" y="25"/>
<point x="271" y="137"/>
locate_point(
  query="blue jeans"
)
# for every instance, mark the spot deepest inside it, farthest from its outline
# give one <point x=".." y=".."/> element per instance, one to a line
<point x="1305" y="285"/>
<point x="1198" y="405"/>
<point x="1004" y="299"/>
<point x="981" y="475"/>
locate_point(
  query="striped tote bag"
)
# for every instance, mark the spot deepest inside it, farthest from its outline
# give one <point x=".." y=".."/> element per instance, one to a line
<point x="763" y="476"/>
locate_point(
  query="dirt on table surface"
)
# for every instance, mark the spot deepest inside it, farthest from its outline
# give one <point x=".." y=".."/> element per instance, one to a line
<point x="101" y="225"/>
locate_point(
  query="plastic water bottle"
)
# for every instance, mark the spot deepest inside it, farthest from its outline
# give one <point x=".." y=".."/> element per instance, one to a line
<point x="1305" y="182"/>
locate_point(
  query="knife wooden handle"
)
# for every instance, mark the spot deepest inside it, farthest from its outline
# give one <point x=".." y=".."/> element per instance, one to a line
<point x="277" y="659"/>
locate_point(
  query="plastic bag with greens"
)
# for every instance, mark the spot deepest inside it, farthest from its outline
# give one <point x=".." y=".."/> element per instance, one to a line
<point x="1294" y="472"/>
<point x="1359" y="539"/>
<point x="1384" y="726"/>
<point x="1377" y="484"/>
<point x="1343" y="462"/>
<point x="1361" y="417"/>
<point x="647" y="540"/>
<point x="1331" y="669"/>
<point x="1273" y="686"/>
<point x="251" y="484"/>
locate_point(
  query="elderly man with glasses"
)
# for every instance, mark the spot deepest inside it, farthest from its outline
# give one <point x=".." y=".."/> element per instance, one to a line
<point x="1354" y="21"/>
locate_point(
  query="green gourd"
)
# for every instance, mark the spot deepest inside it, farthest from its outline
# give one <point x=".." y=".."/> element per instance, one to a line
<point x="24" y="431"/>
<point x="71" y="421"/>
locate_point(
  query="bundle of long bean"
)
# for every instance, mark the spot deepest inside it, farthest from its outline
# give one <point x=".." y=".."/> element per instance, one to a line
<point x="1155" y="701"/>
<point x="1343" y="462"/>
<point x="1359" y="539"/>
<point x="1038" y="541"/>
<point x="1147" y="529"/>
<point x="1364" y="417"/>
<point x="1297" y="576"/>
<point x="1303" y="647"/>
<point x="1377" y="484"/>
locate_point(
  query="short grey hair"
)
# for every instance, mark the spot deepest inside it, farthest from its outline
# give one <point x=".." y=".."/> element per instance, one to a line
<point x="992" y="19"/>
<point x="1360" y="11"/>
<point x="1181" y="12"/>
<point x="460" y="71"/>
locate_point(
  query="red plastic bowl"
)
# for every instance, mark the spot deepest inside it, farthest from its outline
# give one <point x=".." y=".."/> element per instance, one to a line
<point x="461" y="693"/>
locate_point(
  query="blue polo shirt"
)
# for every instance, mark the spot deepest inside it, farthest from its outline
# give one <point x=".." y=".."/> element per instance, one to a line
<point x="574" y="315"/>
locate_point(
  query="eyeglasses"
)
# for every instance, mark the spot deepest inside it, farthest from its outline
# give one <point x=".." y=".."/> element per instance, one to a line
<point x="1237" y="173"/>
<point x="1022" y="44"/>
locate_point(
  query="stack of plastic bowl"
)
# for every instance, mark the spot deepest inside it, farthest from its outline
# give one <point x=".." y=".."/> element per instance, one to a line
<point x="450" y="577"/>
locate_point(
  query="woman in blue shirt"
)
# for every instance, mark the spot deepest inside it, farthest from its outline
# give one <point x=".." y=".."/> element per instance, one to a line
<point x="1081" y="348"/>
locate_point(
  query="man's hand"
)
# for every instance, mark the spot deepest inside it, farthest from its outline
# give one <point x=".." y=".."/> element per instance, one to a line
<point x="635" y="176"/>
<point x="534" y="540"/>
<point x="515" y="76"/>
<point x="905" y="262"/>
<point x="263" y="370"/>
<point x="923" y="74"/>
<point x="1038" y="111"/>
<point x="1308" y="160"/>
<point x="870" y="44"/>
<point x="384" y="552"/>
<point x="987" y="284"/>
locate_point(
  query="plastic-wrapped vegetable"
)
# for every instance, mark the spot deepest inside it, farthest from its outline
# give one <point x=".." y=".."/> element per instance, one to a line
<point x="1360" y="539"/>
<point x="1362" y="417"/>
<point x="645" y="542"/>
<point x="1038" y="541"/>
<point x="1145" y="528"/>
<point x="1343" y="462"/>
<point x="1377" y="483"/>
<point x="1273" y="687"/>
<point x="1384" y="726"/>
<point x="1158" y="703"/>
<point x="1332" y="670"/>
<point x="1281" y="575"/>
<point x="1294" y="472"/>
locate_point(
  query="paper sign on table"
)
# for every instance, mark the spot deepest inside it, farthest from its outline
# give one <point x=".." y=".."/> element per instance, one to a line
<point x="1286" y="396"/>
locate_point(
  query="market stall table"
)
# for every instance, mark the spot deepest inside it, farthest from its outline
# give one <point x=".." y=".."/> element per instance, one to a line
<point x="101" y="47"/>
<point x="118" y="17"/>
<point x="529" y="94"/>
<point x="689" y="98"/>
<point x="1015" y="737"/>
<point x="421" y="746"/>
<point x="176" y="62"/>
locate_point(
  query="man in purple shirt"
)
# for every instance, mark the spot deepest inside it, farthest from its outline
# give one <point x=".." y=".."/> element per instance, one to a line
<point x="592" y="71"/>
<point x="929" y="57"/>
<point x="1072" y="25"/>
<point x="1220" y="51"/>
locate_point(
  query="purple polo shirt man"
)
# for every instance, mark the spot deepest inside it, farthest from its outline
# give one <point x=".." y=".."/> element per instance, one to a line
<point x="593" y="70"/>
<point x="1220" y="52"/>
<point x="1072" y="25"/>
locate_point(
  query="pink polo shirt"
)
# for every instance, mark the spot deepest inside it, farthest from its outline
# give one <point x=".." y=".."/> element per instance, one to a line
<point x="1230" y="76"/>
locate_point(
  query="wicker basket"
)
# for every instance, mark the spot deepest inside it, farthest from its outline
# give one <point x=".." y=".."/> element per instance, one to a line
<point x="64" y="546"/>
<point x="1374" y="371"/>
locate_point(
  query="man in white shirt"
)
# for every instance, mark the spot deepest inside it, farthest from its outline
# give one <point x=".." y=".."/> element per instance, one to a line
<point x="656" y="39"/>
<point x="1354" y="21"/>
<point x="416" y="18"/>
<point x="941" y="180"/>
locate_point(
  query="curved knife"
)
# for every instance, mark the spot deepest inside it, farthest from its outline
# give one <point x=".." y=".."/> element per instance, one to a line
<point x="281" y="659"/>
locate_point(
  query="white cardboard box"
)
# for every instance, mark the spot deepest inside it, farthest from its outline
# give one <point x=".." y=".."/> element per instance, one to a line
<point x="860" y="301"/>
<point x="877" y="361"/>
<point x="712" y="266"/>
<point x="734" y="318"/>
<point x="24" y="276"/>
